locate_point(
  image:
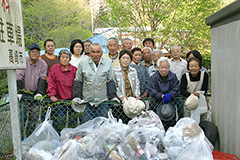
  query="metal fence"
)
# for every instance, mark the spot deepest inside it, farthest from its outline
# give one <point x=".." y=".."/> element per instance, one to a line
<point x="6" y="146"/>
<point x="32" y="113"/>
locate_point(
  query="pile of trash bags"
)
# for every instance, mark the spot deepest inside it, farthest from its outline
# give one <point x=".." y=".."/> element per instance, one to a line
<point x="143" y="138"/>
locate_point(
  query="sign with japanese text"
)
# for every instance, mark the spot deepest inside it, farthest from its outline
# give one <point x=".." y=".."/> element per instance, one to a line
<point x="12" y="50"/>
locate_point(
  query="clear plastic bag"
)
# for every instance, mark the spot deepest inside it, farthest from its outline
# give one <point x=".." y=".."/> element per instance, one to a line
<point x="69" y="151"/>
<point x="147" y="119"/>
<point x="44" y="131"/>
<point x="44" y="149"/>
<point x="186" y="140"/>
<point x="87" y="128"/>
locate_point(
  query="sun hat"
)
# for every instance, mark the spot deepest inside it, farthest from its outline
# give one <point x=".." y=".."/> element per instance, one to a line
<point x="191" y="102"/>
<point x="166" y="111"/>
<point x="132" y="107"/>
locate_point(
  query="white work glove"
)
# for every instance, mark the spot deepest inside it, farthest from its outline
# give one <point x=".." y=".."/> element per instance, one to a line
<point x="78" y="105"/>
<point x="38" y="97"/>
<point x="19" y="96"/>
<point x="76" y="100"/>
<point x="115" y="99"/>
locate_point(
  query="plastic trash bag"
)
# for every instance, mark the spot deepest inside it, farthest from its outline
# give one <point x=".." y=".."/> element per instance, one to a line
<point x="186" y="140"/>
<point x="42" y="142"/>
<point x="147" y="119"/>
<point x="144" y="142"/>
<point x="87" y="128"/>
<point x="69" y="151"/>
<point x="44" y="149"/>
<point x="44" y="131"/>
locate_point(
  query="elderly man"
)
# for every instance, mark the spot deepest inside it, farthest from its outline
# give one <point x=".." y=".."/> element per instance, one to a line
<point x="94" y="83"/>
<point x="127" y="44"/>
<point x="157" y="53"/>
<point x="33" y="78"/>
<point x="113" y="46"/>
<point x="87" y="43"/>
<point x="147" y="56"/>
<point x="177" y="64"/>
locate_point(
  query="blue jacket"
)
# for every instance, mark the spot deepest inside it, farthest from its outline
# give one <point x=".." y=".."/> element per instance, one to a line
<point x="143" y="77"/>
<point x="158" y="87"/>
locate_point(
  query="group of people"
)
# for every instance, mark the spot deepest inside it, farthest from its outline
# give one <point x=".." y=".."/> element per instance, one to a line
<point x="86" y="74"/>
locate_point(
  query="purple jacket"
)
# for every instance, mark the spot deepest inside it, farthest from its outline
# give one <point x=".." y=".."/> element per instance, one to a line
<point x="158" y="87"/>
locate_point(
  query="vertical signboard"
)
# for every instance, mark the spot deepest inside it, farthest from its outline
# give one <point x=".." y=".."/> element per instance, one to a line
<point x="12" y="51"/>
<point x="12" y="57"/>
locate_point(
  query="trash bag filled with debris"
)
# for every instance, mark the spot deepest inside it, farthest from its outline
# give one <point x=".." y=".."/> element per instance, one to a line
<point x="186" y="140"/>
<point x="43" y="142"/>
<point x="143" y="138"/>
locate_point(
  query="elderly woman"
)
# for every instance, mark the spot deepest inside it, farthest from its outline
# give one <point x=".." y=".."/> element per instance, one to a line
<point x="61" y="78"/>
<point x="76" y="49"/>
<point x="195" y="80"/>
<point x="196" y="54"/>
<point x="142" y="72"/>
<point x="164" y="84"/>
<point x="60" y="85"/>
<point x="125" y="77"/>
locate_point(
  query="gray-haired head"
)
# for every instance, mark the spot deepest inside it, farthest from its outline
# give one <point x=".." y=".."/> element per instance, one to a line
<point x="147" y="48"/>
<point x="175" y="46"/>
<point x="65" y="51"/>
<point x="158" y="51"/>
<point x="126" y="39"/>
<point x="95" y="44"/>
<point x="113" y="39"/>
<point x="161" y="60"/>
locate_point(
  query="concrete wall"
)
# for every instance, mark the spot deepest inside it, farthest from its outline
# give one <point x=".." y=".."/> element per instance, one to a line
<point x="225" y="70"/>
<point x="226" y="85"/>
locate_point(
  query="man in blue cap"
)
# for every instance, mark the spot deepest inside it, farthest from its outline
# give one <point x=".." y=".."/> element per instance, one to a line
<point x="33" y="78"/>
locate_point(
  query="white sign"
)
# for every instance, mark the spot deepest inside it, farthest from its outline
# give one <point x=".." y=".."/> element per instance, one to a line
<point x="12" y="50"/>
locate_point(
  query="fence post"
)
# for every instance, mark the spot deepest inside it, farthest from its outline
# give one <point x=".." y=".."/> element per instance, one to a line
<point x="15" y="124"/>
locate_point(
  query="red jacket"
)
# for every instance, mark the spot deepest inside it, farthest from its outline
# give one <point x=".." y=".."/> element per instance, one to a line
<point x="60" y="82"/>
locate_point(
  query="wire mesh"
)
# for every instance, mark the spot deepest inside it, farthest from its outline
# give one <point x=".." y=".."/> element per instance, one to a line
<point x="6" y="147"/>
<point x="32" y="113"/>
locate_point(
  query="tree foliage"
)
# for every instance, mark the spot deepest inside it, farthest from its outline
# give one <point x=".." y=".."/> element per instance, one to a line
<point x="61" y="20"/>
<point x="169" y="22"/>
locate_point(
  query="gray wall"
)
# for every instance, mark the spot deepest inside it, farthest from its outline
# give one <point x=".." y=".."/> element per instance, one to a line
<point x="225" y="72"/>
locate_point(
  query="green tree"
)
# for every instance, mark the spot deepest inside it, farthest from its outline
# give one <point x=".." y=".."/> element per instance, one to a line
<point x="169" y="22"/>
<point x="60" y="20"/>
